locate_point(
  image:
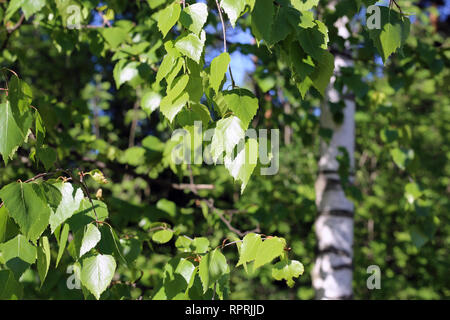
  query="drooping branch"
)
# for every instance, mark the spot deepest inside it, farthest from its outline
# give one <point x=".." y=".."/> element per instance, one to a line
<point x="224" y="31"/>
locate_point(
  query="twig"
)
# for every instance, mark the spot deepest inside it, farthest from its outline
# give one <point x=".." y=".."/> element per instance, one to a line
<point x="183" y="186"/>
<point x="40" y="175"/>
<point x="105" y="20"/>
<point x="86" y="191"/>
<point x="214" y="291"/>
<point x="396" y="4"/>
<point x="17" y="25"/>
<point x="225" y="40"/>
<point x="210" y="204"/>
<point x="160" y="228"/>
<point x="133" y="125"/>
<point x="11" y="30"/>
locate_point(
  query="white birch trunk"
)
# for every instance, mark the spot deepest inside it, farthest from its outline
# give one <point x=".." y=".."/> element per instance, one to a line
<point x="333" y="270"/>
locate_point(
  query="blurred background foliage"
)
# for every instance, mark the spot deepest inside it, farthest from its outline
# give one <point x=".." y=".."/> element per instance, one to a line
<point x="402" y="175"/>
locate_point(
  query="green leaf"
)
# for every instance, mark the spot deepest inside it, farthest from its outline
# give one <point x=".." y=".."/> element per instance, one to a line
<point x="170" y="110"/>
<point x="392" y="34"/>
<point x="243" y="104"/>
<point x="219" y="67"/>
<point x="304" y="5"/>
<point x="155" y="3"/>
<point x="12" y="132"/>
<point x="3" y="223"/>
<point x="233" y="9"/>
<point x="115" y="36"/>
<point x="388" y="135"/>
<point x="281" y="29"/>
<point x="43" y="258"/>
<point x="194" y="17"/>
<point x="40" y="128"/>
<point x="17" y="254"/>
<point x="212" y="266"/>
<point x="322" y="73"/>
<point x="20" y="96"/>
<point x="27" y="206"/>
<point x="97" y="273"/>
<point x="131" y="72"/>
<point x="47" y="155"/>
<point x="168" y="17"/>
<point x="175" y="71"/>
<point x="302" y="64"/>
<point x="201" y="244"/>
<point x="85" y="214"/>
<point x="269" y="250"/>
<point x="313" y="41"/>
<point x="10" y="288"/>
<point x="70" y="203"/>
<point x="242" y="166"/>
<point x="198" y="245"/>
<point x="165" y="67"/>
<point x="171" y="60"/>
<point x="412" y="192"/>
<point x="287" y="270"/>
<point x="194" y="88"/>
<point x="98" y="176"/>
<point x="227" y="134"/>
<point x="150" y="101"/>
<point x="178" y="274"/>
<point x="162" y="236"/>
<point x="418" y="238"/>
<point x="91" y="237"/>
<point x="52" y="195"/>
<point x="402" y="157"/>
<point x="177" y="88"/>
<point x="196" y="112"/>
<point x="262" y="19"/>
<point x="175" y="99"/>
<point x="62" y="242"/>
<point x="167" y="206"/>
<point x="191" y="45"/>
<point x="30" y="7"/>
<point x="13" y="6"/>
<point x="249" y="248"/>
<point x="131" y="249"/>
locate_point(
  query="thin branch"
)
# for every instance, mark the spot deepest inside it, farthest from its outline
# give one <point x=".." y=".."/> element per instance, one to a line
<point x="133" y="125"/>
<point x="396" y="4"/>
<point x="210" y="204"/>
<point x="214" y="291"/>
<point x="160" y="228"/>
<point x="105" y="20"/>
<point x="225" y="40"/>
<point x="86" y="191"/>
<point x="17" y="25"/>
<point x="184" y="186"/>
<point x="38" y="176"/>
<point x="11" y="30"/>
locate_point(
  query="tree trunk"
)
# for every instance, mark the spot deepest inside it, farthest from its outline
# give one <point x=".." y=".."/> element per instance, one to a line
<point x="333" y="270"/>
